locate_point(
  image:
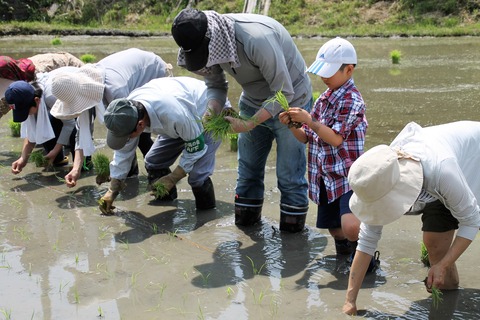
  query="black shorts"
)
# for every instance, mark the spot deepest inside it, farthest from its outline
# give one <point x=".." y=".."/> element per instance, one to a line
<point x="329" y="215"/>
<point x="437" y="218"/>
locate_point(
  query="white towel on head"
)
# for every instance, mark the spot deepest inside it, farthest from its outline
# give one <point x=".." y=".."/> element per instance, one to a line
<point x="39" y="129"/>
<point x="85" y="136"/>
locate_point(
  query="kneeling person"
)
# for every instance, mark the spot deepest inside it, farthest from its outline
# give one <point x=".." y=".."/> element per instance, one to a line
<point x="172" y="108"/>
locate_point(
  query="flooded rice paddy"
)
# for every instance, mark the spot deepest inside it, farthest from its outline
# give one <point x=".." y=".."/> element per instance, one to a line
<point x="60" y="259"/>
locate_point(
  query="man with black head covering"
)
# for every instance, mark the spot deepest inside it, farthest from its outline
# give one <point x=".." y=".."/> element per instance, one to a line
<point x="259" y="53"/>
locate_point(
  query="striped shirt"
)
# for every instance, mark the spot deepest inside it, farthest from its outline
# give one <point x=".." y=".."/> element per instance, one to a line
<point x="342" y="110"/>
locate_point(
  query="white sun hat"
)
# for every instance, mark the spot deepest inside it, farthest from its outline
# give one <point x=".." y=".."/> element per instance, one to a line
<point x="77" y="92"/>
<point x="386" y="182"/>
<point x="331" y="56"/>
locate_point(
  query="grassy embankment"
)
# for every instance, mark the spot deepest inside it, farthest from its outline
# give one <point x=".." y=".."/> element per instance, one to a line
<point x="301" y="17"/>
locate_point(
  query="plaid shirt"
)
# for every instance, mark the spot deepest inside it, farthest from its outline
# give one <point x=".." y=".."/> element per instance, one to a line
<point x="343" y="111"/>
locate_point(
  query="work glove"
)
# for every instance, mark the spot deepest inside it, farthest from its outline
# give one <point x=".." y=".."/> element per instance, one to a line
<point x="169" y="181"/>
<point x="106" y="202"/>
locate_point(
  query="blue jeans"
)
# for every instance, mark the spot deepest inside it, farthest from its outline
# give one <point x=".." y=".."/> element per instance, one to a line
<point x="253" y="149"/>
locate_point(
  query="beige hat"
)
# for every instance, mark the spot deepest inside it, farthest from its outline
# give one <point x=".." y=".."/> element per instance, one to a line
<point x="76" y="92"/>
<point x="385" y="183"/>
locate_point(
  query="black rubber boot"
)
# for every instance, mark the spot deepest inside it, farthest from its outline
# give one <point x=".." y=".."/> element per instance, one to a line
<point x="247" y="211"/>
<point x="292" y="219"/>
<point x="154" y="175"/>
<point x="205" y="196"/>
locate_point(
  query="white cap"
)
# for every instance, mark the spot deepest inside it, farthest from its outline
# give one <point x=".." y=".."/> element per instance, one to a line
<point x="331" y="56"/>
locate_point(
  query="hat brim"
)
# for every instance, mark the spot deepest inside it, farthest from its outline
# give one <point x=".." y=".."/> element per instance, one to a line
<point x="324" y="69"/>
<point x="21" y="116"/>
<point x="60" y="112"/>
<point x="196" y="59"/>
<point x="116" y="142"/>
<point x="395" y="203"/>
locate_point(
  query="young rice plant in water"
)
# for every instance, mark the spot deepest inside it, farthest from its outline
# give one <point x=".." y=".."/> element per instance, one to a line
<point x="38" y="158"/>
<point x="101" y="164"/>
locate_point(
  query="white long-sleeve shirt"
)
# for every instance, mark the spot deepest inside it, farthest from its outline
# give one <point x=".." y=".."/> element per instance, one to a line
<point x="175" y="106"/>
<point x="450" y="154"/>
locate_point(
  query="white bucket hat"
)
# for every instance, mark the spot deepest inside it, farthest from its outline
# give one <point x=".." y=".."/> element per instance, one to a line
<point x="77" y="92"/>
<point x="385" y="183"/>
<point x="331" y="56"/>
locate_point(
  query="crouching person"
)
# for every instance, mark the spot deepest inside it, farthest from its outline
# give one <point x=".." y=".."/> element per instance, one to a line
<point x="172" y="108"/>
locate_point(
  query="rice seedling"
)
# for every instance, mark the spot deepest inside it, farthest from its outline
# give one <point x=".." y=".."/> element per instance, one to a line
<point x="56" y="41"/>
<point x="233" y="137"/>
<point x="159" y="190"/>
<point x="100" y="312"/>
<point x="424" y="255"/>
<point x="88" y="58"/>
<point x="254" y="268"/>
<point x="230" y="291"/>
<point x="395" y="55"/>
<point x="38" y="158"/>
<point x="217" y="126"/>
<point x="436" y="297"/>
<point x="282" y="100"/>
<point x="101" y="164"/>
<point x="14" y="128"/>
<point x="76" y="296"/>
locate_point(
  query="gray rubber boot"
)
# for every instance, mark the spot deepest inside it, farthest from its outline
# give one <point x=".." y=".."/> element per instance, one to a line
<point x="204" y="196"/>
<point x="154" y="175"/>
<point x="292" y="219"/>
<point x="247" y="211"/>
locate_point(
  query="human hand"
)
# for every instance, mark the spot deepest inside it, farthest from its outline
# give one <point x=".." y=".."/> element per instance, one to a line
<point x="284" y="118"/>
<point x="350" y="308"/>
<point x="299" y="115"/>
<point x="171" y="179"/>
<point x="240" y="125"/>
<point x="72" y="177"/>
<point x="436" y="277"/>
<point x="18" y="165"/>
<point x="106" y="202"/>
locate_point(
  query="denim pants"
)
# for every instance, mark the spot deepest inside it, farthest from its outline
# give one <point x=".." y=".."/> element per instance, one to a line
<point x="165" y="151"/>
<point x="254" y="147"/>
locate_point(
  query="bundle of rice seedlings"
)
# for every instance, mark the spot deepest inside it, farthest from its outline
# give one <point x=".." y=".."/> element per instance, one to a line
<point x="101" y="164"/>
<point x="424" y="255"/>
<point x="218" y="127"/>
<point x="14" y="128"/>
<point x="38" y="158"/>
<point x="282" y="100"/>
<point x="159" y="190"/>
<point x="436" y="297"/>
<point x="103" y="207"/>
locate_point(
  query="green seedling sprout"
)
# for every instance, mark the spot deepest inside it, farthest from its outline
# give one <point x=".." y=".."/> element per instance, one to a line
<point x="424" y="255"/>
<point x="14" y="128"/>
<point x="101" y="164"/>
<point x="282" y="100"/>
<point x="38" y="158"/>
<point x="159" y="190"/>
<point x="395" y="55"/>
<point x="436" y="297"/>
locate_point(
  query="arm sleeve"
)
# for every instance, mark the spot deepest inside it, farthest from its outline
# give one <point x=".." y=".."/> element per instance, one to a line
<point x="67" y="129"/>
<point x="458" y="198"/>
<point x="368" y="238"/>
<point x="122" y="160"/>
<point x="273" y="68"/>
<point x="217" y="84"/>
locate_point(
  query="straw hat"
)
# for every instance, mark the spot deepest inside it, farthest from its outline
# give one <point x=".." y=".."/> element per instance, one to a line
<point x="386" y="183"/>
<point x="76" y="92"/>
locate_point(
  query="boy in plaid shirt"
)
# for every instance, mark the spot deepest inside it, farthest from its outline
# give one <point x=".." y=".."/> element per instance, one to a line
<point x="335" y="132"/>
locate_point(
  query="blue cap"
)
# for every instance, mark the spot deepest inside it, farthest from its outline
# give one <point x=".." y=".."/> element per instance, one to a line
<point x="20" y="95"/>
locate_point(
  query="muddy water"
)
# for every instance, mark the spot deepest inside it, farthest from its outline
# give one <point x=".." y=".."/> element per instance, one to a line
<point x="60" y="259"/>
